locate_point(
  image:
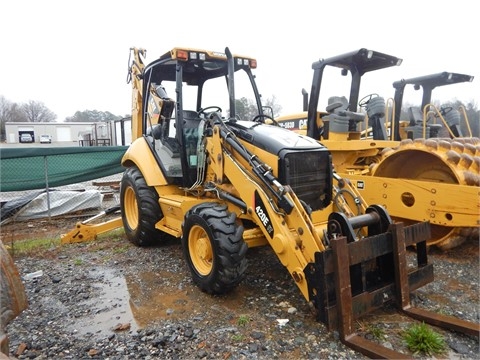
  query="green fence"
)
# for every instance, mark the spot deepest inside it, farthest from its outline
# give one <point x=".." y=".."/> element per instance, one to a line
<point x="68" y="173"/>
<point x="40" y="168"/>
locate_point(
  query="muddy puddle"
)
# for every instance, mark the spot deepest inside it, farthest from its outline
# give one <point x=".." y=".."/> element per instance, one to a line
<point x="110" y="308"/>
<point x="130" y="303"/>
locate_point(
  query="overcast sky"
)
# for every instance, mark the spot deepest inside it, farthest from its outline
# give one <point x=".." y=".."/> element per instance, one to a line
<point x="73" y="55"/>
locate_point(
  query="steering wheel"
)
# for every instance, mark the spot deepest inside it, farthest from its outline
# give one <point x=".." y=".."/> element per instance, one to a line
<point x="203" y="111"/>
<point x="445" y="110"/>
<point x="366" y="99"/>
<point x="260" y="118"/>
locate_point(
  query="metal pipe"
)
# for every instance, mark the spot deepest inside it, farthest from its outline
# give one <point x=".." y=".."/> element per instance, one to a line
<point x="47" y="187"/>
<point x="364" y="220"/>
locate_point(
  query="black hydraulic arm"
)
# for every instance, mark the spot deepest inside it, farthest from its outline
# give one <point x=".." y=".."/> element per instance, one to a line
<point x="262" y="170"/>
<point x="231" y="82"/>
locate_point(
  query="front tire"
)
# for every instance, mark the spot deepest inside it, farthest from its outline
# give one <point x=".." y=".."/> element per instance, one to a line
<point x="140" y="209"/>
<point x="214" y="248"/>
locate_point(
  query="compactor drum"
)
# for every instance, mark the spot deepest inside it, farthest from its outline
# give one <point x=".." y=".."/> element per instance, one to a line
<point x="443" y="160"/>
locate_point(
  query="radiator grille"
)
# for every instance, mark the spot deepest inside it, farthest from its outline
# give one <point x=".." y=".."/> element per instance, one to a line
<point x="309" y="174"/>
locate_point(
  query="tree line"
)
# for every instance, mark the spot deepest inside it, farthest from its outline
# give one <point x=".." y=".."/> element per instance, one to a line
<point x="36" y="111"/>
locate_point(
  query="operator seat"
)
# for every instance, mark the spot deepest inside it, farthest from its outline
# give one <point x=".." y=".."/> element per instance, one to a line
<point x="415" y="116"/>
<point x="415" y="128"/>
<point x="167" y="104"/>
<point x="375" y="108"/>
<point x="163" y="114"/>
<point x="452" y="118"/>
<point x="340" y="118"/>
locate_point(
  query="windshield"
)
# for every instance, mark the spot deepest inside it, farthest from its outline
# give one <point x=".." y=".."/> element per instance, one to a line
<point x="215" y="93"/>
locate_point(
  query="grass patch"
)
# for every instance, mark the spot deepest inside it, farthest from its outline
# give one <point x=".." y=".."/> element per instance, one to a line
<point x="113" y="235"/>
<point x="39" y="246"/>
<point x="121" y="249"/>
<point x="237" y="337"/>
<point x="32" y="246"/>
<point x="243" y="320"/>
<point x="377" y="332"/>
<point x="421" y="339"/>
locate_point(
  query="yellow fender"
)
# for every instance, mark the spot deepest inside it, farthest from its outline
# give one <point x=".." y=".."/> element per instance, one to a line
<point x="139" y="154"/>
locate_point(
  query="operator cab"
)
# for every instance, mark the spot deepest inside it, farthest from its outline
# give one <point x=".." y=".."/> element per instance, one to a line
<point x="202" y="84"/>
<point x="442" y="122"/>
<point x="353" y="66"/>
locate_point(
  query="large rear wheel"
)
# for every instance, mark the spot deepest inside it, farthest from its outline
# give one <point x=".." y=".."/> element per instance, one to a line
<point x="214" y="248"/>
<point x="140" y="209"/>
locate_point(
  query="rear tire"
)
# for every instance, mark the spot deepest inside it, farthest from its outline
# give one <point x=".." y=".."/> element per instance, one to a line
<point x="140" y="209"/>
<point x="214" y="248"/>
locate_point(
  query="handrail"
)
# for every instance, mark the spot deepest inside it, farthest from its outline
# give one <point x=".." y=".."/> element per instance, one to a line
<point x="431" y="110"/>
<point x="387" y="115"/>
<point x="467" y="122"/>
<point x="437" y="114"/>
<point x="364" y="128"/>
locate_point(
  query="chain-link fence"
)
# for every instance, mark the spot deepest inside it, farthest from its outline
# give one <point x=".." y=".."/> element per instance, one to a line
<point x="32" y="204"/>
<point x="55" y="189"/>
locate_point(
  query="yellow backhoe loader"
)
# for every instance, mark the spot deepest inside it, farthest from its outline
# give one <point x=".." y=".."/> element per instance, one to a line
<point x="221" y="185"/>
<point x="424" y="168"/>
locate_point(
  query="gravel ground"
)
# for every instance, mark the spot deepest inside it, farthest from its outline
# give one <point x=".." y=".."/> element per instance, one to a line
<point x="108" y="299"/>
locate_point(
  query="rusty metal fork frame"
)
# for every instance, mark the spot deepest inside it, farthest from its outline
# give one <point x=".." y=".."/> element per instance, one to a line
<point x="345" y="256"/>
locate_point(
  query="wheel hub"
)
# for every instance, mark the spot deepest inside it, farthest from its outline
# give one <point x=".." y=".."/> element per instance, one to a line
<point x="200" y="250"/>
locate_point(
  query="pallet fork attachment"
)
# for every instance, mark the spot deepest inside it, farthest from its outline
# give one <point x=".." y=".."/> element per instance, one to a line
<point x="340" y="259"/>
<point x="85" y="231"/>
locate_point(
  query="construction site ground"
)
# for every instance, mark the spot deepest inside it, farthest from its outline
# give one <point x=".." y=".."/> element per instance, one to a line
<point x="110" y="299"/>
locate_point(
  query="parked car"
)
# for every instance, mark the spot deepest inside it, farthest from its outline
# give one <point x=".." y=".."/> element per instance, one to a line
<point x="45" y="139"/>
<point x="26" y="138"/>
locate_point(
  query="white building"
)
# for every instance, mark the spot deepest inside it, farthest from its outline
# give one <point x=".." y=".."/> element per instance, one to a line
<point x="78" y="133"/>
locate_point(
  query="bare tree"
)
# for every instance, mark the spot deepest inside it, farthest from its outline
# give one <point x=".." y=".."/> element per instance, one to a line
<point x="246" y="109"/>
<point x="92" y="116"/>
<point x="37" y="112"/>
<point x="274" y="105"/>
<point x="9" y="112"/>
<point x="4" y="106"/>
<point x="473" y="115"/>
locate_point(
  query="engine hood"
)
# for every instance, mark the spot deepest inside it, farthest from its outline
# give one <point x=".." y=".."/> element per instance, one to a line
<point x="271" y="138"/>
